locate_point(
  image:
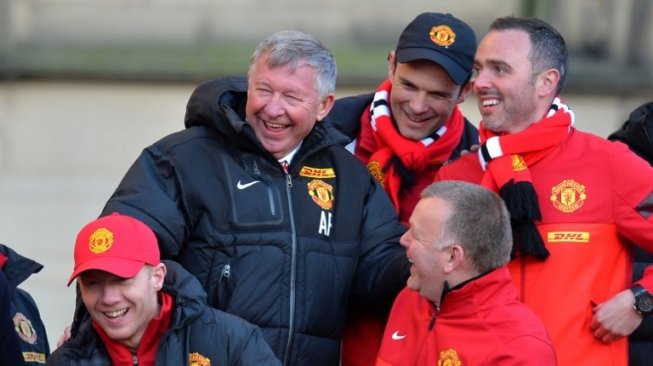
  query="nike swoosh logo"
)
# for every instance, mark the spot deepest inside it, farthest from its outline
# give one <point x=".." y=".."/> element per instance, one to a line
<point x="240" y="185"/>
<point x="397" y="337"/>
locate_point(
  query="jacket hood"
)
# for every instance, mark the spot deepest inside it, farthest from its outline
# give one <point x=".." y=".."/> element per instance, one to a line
<point x="637" y="132"/>
<point x="219" y="105"/>
<point x="17" y="268"/>
<point x="205" y="104"/>
<point x="188" y="294"/>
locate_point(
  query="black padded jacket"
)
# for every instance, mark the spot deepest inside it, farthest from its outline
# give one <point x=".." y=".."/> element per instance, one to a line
<point x="285" y="251"/>
<point x="196" y="331"/>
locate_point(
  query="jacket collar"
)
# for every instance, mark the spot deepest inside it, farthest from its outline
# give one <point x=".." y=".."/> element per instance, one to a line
<point x="473" y="294"/>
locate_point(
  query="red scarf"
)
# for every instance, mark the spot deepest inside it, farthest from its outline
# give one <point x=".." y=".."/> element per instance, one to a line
<point x="506" y="157"/>
<point x="416" y="156"/>
<point x="146" y="353"/>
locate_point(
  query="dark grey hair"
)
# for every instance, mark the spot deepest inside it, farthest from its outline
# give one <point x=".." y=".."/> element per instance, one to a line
<point x="549" y="50"/>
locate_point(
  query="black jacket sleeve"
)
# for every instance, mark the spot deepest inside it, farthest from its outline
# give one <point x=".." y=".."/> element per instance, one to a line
<point x="383" y="267"/>
<point x="9" y="348"/>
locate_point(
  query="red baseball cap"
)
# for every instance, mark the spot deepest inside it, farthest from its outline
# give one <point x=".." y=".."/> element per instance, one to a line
<point x="117" y="244"/>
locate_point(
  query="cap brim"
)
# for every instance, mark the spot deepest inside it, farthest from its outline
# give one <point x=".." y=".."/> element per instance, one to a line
<point x="455" y="71"/>
<point x="123" y="268"/>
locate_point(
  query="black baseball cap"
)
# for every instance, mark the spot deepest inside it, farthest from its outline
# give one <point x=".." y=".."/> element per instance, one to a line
<point x="440" y="38"/>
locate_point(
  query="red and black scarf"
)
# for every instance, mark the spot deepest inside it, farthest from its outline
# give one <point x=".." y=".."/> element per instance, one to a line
<point x="506" y="158"/>
<point x="415" y="156"/>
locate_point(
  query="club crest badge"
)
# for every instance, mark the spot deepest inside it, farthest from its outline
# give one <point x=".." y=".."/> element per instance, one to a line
<point x="568" y="196"/>
<point x="321" y="193"/>
<point x="100" y="241"/>
<point x="449" y="358"/>
<point x="375" y="170"/>
<point x="196" y="359"/>
<point x="518" y="163"/>
<point x="24" y="328"/>
<point x="442" y="35"/>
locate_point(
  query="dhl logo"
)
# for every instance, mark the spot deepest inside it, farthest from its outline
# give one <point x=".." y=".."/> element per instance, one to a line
<point x="310" y="172"/>
<point x="568" y="236"/>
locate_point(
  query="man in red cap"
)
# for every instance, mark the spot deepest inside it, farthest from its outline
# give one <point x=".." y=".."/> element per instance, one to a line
<point x="146" y="312"/>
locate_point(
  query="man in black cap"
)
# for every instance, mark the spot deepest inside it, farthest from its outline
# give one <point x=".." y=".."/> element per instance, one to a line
<point x="406" y="130"/>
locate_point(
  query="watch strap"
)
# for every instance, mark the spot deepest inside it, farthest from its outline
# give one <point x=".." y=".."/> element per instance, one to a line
<point x="639" y="291"/>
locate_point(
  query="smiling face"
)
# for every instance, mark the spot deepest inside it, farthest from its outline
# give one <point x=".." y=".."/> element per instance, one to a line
<point x="422" y="97"/>
<point x="509" y="97"/>
<point x="283" y="105"/>
<point x="424" y="248"/>
<point x="123" y="307"/>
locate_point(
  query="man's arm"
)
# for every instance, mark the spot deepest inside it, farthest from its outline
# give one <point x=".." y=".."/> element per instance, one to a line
<point x="633" y="202"/>
<point x="383" y="267"/>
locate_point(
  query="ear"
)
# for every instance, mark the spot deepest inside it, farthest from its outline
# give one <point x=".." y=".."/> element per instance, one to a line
<point x="547" y="82"/>
<point x="456" y="258"/>
<point x="325" y="106"/>
<point x="465" y="92"/>
<point x="392" y="64"/>
<point x="158" y="275"/>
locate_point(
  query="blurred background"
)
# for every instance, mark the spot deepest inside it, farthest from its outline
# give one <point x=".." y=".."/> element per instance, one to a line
<point x="85" y="85"/>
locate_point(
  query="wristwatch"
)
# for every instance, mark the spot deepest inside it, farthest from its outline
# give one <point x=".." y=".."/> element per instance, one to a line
<point x="643" y="300"/>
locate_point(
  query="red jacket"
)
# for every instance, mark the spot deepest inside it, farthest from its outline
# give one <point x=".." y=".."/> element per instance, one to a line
<point x="588" y="190"/>
<point x="480" y="323"/>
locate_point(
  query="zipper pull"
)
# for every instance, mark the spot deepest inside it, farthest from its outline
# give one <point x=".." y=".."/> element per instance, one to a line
<point x="226" y="271"/>
<point x="433" y="318"/>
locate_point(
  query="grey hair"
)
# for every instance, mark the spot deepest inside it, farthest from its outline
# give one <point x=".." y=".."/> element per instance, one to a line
<point x="478" y="221"/>
<point x="549" y="50"/>
<point x="292" y="49"/>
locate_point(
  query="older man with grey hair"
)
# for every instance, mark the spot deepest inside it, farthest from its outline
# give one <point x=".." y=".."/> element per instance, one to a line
<point x="260" y="201"/>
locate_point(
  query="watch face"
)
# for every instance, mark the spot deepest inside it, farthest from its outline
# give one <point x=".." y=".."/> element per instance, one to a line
<point x="645" y="303"/>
